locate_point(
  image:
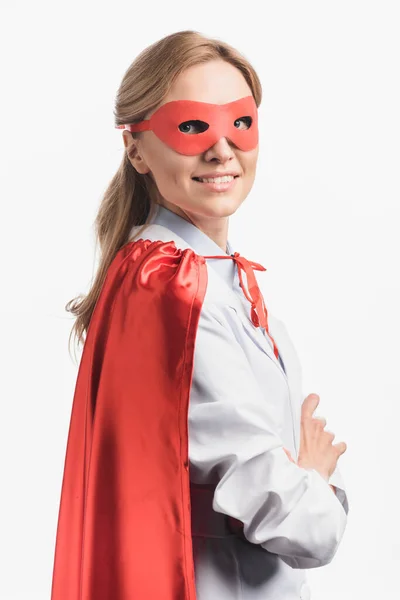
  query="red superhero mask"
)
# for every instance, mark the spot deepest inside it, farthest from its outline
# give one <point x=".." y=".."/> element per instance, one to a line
<point x="171" y="122"/>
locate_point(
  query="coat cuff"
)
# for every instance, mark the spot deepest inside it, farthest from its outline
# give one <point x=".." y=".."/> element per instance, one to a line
<point x="336" y="479"/>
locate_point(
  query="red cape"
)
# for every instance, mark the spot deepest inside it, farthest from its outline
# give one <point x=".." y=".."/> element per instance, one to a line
<point x="124" y="525"/>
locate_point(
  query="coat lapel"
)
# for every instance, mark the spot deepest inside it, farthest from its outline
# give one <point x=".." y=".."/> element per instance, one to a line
<point x="292" y="371"/>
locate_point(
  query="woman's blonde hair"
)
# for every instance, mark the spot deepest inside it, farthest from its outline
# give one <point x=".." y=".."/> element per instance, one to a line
<point x="130" y="197"/>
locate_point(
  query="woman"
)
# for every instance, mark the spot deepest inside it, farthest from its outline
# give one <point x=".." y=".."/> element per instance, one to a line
<point x="266" y="498"/>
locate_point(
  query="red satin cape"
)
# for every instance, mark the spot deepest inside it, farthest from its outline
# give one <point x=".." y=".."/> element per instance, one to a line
<point x="124" y="524"/>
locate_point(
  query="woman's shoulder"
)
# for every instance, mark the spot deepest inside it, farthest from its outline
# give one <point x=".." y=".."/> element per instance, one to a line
<point x="155" y="233"/>
<point x="217" y="294"/>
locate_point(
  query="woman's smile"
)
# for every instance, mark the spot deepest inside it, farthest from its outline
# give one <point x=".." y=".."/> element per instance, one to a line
<point x="217" y="184"/>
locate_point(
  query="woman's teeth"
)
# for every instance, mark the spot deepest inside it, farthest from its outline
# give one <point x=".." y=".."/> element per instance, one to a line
<point x="224" y="179"/>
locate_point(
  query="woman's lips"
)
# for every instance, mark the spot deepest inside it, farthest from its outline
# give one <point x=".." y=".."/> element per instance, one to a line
<point x="218" y="187"/>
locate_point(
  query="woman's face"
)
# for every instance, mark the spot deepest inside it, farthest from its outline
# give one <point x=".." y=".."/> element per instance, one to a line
<point x="216" y="82"/>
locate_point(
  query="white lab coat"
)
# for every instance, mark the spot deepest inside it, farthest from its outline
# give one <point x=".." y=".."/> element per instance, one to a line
<point x="244" y="408"/>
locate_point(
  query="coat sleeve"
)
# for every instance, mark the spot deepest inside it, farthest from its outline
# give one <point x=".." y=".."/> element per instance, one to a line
<point x="287" y="510"/>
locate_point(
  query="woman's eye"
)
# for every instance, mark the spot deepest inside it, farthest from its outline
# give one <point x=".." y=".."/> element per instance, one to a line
<point x="198" y="126"/>
<point x="247" y="121"/>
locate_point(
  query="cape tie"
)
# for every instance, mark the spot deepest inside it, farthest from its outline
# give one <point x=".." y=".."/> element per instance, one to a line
<point x="259" y="313"/>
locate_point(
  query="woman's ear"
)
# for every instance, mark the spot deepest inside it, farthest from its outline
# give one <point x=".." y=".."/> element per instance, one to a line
<point x="132" y="149"/>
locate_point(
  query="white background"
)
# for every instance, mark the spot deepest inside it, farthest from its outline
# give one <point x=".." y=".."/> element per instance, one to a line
<point x="323" y="217"/>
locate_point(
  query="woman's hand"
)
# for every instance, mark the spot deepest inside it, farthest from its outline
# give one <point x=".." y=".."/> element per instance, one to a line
<point x="316" y="448"/>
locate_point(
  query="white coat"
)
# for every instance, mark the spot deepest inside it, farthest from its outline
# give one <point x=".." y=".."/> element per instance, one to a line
<point x="244" y="408"/>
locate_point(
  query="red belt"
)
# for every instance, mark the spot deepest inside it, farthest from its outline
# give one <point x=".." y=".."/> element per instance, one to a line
<point x="232" y="525"/>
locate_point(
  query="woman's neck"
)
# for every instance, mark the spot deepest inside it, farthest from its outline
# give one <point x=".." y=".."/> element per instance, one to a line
<point x="215" y="228"/>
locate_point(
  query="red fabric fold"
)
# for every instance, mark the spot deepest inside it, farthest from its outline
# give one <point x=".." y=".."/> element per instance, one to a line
<point x="124" y="526"/>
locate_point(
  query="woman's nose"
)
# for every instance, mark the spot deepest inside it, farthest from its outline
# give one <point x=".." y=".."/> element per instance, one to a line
<point x="222" y="150"/>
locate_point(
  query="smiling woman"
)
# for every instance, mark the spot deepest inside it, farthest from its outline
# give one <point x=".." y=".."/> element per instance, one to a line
<point x="194" y="467"/>
<point x="175" y="152"/>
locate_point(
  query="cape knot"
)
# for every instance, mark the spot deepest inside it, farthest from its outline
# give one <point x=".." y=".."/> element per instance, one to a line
<point x="259" y="313"/>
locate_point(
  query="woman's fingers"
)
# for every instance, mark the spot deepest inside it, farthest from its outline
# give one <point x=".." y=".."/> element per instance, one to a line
<point x="340" y="447"/>
<point x="322" y="419"/>
<point x="316" y="448"/>
<point x="309" y="405"/>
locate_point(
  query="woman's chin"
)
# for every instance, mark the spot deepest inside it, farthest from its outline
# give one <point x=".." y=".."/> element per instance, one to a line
<point x="219" y="206"/>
